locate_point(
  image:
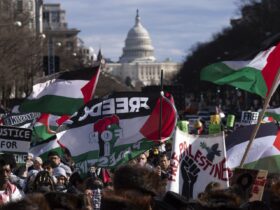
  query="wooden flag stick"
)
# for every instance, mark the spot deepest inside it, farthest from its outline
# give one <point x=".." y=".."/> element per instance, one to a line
<point x="160" y="107"/>
<point x="256" y="128"/>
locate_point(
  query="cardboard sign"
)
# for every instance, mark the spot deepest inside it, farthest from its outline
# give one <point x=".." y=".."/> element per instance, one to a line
<point x="251" y="182"/>
<point x="249" y="118"/>
<point x="14" y="139"/>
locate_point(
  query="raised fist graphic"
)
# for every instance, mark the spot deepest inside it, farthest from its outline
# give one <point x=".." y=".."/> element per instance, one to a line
<point x="189" y="172"/>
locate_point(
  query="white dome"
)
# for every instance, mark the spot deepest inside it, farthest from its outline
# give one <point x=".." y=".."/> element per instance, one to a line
<point x="138" y="44"/>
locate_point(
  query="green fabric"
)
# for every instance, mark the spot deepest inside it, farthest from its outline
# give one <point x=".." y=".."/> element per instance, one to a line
<point x="271" y="164"/>
<point x="52" y="104"/>
<point x="246" y="78"/>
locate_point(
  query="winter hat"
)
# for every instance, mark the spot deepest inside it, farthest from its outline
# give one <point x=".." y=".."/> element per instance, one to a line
<point x="38" y="159"/>
<point x="58" y="171"/>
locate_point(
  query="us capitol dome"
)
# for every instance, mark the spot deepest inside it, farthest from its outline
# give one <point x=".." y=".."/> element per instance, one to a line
<point x="137" y="66"/>
<point x="138" y="44"/>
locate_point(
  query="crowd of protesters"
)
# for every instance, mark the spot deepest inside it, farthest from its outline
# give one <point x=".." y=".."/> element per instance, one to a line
<point x="138" y="185"/>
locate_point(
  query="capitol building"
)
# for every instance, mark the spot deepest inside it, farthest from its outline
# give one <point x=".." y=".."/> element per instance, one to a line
<point x="137" y="66"/>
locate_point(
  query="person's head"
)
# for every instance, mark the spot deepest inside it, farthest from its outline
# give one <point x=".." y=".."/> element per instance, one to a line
<point x="43" y="182"/>
<point x="7" y="164"/>
<point x="37" y="163"/>
<point x="31" y="201"/>
<point x="47" y="166"/>
<point x="60" y="175"/>
<point x="212" y="186"/>
<point x="138" y="178"/>
<point x="60" y="200"/>
<point x="54" y="157"/>
<point x="93" y="184"/>
<point x="142" y="159"/>
<point x="76" y="180"/>
<point x="164" y="161"/>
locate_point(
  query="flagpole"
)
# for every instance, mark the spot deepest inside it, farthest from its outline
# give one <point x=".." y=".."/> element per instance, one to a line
<point x="160" y="107"/>
<point x="256" y="128"/>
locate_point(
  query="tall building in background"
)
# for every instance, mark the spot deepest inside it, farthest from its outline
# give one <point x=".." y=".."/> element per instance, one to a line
<point x="66" y="50"/>
<point x="137" y="66"/>
<point x="60" y="38"/>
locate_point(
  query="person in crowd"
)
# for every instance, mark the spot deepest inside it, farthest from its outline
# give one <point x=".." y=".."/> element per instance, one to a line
<point x="29" y="160"/>
<point x="8" y="191"/>
<point x="173" y="201"/>
<point x="93" y="189"/>
<point x="62" y="181"/>
<point x="47" y="166"/>
<point x="76" y="184"/>
<point x="142" y="160"/>
<point x="29" y="181"/>
<point x="37" y="164"/>
<point x="274" y="196"/>
<point x="212" y="187"/>
<point x="65" y="201"/>
<point x="164" y="166"/>
<point x="136" y="181"/>
<point x="67" y="159"/>
<point x="43" y="183"/>
<point x="55" y="159"/>
<point x="32" y="201"/>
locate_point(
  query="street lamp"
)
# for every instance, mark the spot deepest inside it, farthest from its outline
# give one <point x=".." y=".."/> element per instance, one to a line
<point x="51" y="55"/>
<point x="16" y="23"/>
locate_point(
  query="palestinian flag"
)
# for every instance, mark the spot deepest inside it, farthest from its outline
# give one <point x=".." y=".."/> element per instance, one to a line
<point x="63" y="95"/>
<point x="42" y="149"/>
<point x="110" y="131"/>
<point x="44" y="128"/>
<point x="274" y="113"/>
<point x="255" y="76"/>
<point x="264" y="152"/>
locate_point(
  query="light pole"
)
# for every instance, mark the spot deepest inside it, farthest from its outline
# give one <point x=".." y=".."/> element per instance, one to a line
<point x="51" y="55"/>
<point x="16" y="23"/>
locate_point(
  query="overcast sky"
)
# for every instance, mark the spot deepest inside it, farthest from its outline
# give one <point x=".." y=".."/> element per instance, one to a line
<point x="174" y="25"/>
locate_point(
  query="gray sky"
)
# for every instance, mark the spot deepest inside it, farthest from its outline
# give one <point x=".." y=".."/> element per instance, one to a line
<point x="174" y="25"/>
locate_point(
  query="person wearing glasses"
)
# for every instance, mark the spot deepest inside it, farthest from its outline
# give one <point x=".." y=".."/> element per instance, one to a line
<point x="8" y="191"/>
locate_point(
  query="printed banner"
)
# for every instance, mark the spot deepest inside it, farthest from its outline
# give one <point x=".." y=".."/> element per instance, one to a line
<point x="110" y="131"/>
<point x="14" y="139"/>
<point x="249" y="118"/>
<point x="20" y="120"/>
<point x="196" y="161"/>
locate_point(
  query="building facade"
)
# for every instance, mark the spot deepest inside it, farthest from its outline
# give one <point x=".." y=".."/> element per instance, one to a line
<point x="137" y="65"/>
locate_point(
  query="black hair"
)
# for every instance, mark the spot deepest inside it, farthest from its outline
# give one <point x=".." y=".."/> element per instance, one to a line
<point x="46" y="163"/>
<point x="53" y="153"/>
<point x="8" y="159"/>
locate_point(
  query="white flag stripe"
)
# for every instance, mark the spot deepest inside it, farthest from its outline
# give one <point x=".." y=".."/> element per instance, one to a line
<point x="86" y="144"/>
<point x="260" y="61"/>
<point x="62" y="88"/>
<point x="236" y="65"/>
<point x="261" y="148"/>
<point x="43" y="148"/>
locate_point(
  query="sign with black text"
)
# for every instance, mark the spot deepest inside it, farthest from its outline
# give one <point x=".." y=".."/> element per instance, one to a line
<point x="14" y="139"/>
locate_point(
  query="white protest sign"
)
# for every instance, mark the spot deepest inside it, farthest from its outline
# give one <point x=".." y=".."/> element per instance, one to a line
<point x="249" y="118"/>
<point x="14" y="139"/>
<point x="196" y="161"/>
